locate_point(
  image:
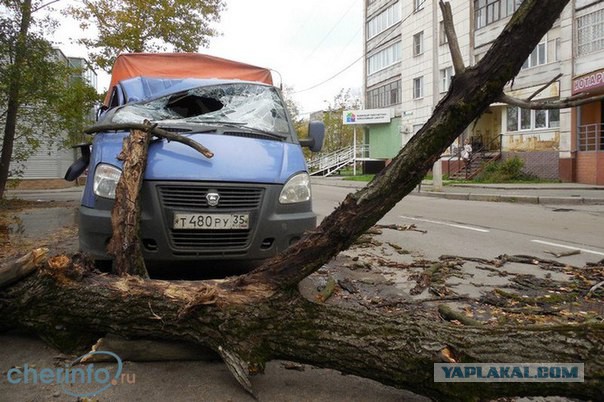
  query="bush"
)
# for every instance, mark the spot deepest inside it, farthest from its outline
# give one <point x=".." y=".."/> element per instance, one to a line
<point x="504" y="171"/>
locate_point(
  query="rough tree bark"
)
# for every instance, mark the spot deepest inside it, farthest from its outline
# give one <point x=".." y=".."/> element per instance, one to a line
<point x="261" y="316"/>
<point x="125" y="245"/>
<point x="257" y="322"/>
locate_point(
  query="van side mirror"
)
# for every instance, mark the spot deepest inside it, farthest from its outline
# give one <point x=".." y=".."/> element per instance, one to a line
<point x="316" y="135"/>
<point x="100" y="111"/>
<point x="79" y="166"/>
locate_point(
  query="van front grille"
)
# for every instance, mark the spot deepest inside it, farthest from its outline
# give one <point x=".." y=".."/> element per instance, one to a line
<point x="193" y="198"/>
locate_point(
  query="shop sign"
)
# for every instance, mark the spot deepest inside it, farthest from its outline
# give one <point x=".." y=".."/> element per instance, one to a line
<point x="588" y="82"/>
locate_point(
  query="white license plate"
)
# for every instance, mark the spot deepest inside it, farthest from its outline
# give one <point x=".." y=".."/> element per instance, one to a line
<point x="211" y="221"/>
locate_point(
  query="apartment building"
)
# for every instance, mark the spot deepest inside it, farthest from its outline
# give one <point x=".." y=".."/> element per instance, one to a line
<point x="409" y="69"/>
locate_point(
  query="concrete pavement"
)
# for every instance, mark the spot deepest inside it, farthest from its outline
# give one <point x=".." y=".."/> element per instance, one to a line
<point x="530" y="193"/>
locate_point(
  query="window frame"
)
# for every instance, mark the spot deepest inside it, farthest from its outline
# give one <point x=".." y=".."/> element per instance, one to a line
<point x="590" y="34"/>
<point x="379" y="61"/>
<point x="487" y="12"/>
<point x="384" y="20"/>
<point x="418" y="44"/>
<point x="442" y="34"/>
<point x="551" y="119"/>
<point x="534" y="59"/>
<point x="446" y="74"/>
<point x="418" y="87"/>
<point x="385" y="95"/>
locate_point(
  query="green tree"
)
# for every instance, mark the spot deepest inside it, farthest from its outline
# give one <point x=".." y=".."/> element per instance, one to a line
<point x="300" y="124"/>
<point x="126" y="26"/>
<point x="40" y="97"/>
<point x="338" y="135"/>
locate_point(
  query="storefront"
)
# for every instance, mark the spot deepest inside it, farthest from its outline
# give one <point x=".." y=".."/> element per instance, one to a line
<point x="587" y="161"/>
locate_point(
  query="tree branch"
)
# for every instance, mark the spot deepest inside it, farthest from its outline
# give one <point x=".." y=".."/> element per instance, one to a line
<point x="158" y="132"/>
<point x="21" y="267"/>
<point x="550" y="104"/>
<point x="449" y="26"/>
<point x="538" y="91"/>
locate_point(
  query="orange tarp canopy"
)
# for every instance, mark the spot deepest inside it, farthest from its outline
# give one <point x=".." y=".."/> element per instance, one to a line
<point x="183" y="65"/>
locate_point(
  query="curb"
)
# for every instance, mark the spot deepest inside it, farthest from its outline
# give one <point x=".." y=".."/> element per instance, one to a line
<point x="513" y="198"/>
<point x="510" y="198"/>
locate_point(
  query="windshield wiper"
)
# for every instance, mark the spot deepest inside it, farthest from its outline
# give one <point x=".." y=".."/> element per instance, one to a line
<point x="244" y="127"/>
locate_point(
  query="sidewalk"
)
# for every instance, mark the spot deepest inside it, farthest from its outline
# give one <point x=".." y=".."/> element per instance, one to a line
<point x="531" y="193"/>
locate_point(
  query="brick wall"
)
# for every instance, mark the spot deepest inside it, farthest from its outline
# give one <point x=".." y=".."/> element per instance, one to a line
<point x="543" y="164"/>
<point x="590" y="167"/>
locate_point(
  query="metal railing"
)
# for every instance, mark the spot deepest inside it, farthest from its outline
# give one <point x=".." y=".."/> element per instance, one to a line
<point x="590" y="137"/>
<point x="330" y="163"/>
<point x="482" y="153"/>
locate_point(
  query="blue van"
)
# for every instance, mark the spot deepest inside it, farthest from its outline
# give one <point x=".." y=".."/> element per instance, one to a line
<point x="248" y="202"/>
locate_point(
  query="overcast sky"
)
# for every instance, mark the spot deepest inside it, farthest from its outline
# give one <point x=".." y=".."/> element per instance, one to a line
<point x="307" y="42"/>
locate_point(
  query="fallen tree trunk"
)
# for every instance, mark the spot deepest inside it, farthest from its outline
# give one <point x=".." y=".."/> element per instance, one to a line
<point x="256" y="323"/>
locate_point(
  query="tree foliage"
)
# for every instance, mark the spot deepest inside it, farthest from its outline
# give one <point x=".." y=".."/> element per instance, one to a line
<point x="143" y="26"/>
<point x="42" y="98"/>
<point x="300" y="124"/>
<point x="338" y="135"/>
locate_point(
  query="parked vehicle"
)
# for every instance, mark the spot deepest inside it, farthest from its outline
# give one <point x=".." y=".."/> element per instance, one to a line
<point x="248" y="202"/>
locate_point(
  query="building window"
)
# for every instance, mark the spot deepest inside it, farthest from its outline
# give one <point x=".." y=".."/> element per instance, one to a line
<point x="519" y="119"/>
<point x="489" y="11"/>
<point x="384" y="58"/>
<point x="445" y="79"/>
<point x="538" y="55"/>
<point x="384" y="20"/>
<point x="442" y="34"/>
<point x="590" y="33"/>
<point x="418" y="87"/>
<point x="385" y="95"/>
<point x="418" y="43"/>
<point x="418" y="5"/>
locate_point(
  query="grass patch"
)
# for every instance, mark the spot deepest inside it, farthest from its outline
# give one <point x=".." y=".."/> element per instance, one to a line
<point x="361" y="177"/>
<point x="508" y="171"/>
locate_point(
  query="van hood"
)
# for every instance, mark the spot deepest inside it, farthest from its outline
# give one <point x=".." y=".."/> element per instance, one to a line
<point x="236" y="159"/>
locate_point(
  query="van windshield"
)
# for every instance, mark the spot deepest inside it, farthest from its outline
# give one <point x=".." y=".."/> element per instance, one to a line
<point x="242" y="104"/>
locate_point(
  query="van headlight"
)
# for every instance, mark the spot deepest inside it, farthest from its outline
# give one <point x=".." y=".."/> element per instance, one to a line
<point x="297" y="189"/>
<point x="105" y="180"/>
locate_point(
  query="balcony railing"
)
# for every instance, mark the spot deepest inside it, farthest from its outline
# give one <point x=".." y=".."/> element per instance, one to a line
<point x="590" y="137"/>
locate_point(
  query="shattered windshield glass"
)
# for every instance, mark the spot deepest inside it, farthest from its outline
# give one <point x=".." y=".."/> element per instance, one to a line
<point x="242" y="104"/>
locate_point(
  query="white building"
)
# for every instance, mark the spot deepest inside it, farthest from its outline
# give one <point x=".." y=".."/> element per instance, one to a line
<point x="409" y="68"/>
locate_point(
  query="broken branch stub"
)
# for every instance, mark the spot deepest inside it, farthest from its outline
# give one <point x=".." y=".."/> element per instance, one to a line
<point x="156" y="131"/>
<point x="125" y="245"/>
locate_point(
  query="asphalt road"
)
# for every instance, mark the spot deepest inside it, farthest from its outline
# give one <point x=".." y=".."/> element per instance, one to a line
<point x="487" y="229"/>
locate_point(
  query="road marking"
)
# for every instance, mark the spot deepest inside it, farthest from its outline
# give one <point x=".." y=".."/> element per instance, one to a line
<point x="568" y="247"/>
<point x="446" y="224"/>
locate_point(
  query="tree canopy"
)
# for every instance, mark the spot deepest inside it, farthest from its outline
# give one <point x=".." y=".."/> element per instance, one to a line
<point x="42" y="98"/>
<point x="143" y="26"/>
